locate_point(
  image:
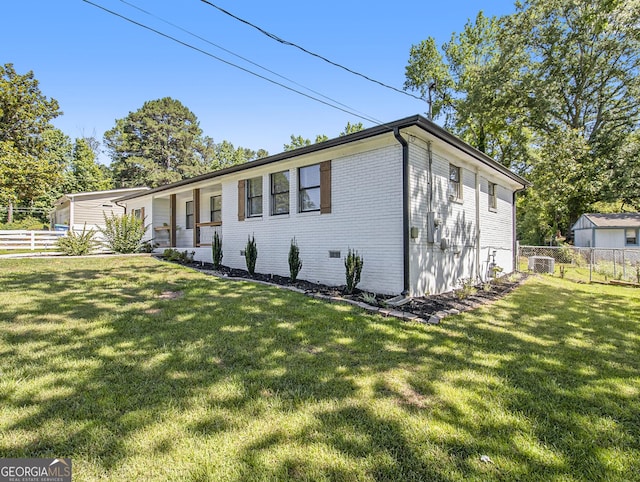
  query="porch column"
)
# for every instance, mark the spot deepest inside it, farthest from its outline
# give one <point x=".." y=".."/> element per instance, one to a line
<point x="196" y="218"/>
<point x="172" y="220"/>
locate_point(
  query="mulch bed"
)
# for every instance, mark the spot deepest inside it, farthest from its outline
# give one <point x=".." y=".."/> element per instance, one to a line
<point x="426" y="309"/>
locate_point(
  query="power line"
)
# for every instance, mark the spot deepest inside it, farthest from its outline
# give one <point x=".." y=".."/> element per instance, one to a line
<point x="292" y="44"/>
<point x="209" y="54"/>
<point x="188" y="32"/>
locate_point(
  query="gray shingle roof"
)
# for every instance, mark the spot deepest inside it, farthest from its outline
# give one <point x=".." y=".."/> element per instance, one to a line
<point x="615" y="220"/>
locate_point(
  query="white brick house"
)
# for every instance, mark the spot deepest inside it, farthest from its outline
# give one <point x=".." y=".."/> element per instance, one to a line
<point x="423" y="208"/>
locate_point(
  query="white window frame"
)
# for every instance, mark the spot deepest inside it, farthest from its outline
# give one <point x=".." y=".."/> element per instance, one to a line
<point x="302" y="189"/>
<point x="249" y="183"/>
<point x="455" y="185"/>
<point x="189" y="215"/>
<point x="492" y="193"/>
<point x="274" y="194"/>
<point x="212" y="211"/>
<point x="626" y="236"/>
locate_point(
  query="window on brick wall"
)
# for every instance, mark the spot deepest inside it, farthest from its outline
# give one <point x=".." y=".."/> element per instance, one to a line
<point x="309" y="188"/>
<point x="254" y="197"/>
<point x="215" y="208"/>
<point x="280" y="193"/>
<point x="455" y="184"/>
<point x="493" y="197"/>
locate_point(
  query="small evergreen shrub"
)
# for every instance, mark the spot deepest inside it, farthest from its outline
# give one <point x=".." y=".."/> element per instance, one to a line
<point x="123" y="234"/>
<point x="295" y="263"/>
<point x="216" y="250"/>
<point x="251" y="255"/>
<point x="353" y="268"/>
<point x="74" y="244"/>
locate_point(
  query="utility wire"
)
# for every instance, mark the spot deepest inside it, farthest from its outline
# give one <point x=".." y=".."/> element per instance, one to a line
<point x="209" y="54"/>
<point x="286" y="42"/>
<point x="241" y="57"/>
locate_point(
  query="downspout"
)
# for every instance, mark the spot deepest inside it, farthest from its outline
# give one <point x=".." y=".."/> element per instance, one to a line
<point x="71" y="213"/>
<point x="405" y="210"/>
<point x="513" y="228"/>
<point x="121" y="206"/>
<point x="478" y="274"/>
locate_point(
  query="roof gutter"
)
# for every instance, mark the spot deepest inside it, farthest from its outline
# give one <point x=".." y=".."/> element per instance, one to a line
<point x="405" y="209"/>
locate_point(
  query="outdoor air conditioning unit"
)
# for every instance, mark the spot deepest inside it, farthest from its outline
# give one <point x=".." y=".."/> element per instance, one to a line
<point x="541" y="264"/>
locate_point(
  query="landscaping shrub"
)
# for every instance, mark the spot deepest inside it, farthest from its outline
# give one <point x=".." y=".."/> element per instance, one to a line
<point x="295" y="263"/>
<point x="74" y="244"/>
<point x="216" y="250"/>
<point x="123" y="234"/>
<point x="353" y="268"/>
<point x="182" y="257"/>
<point x="29" y="223"/>
<point x="251" y="255"/>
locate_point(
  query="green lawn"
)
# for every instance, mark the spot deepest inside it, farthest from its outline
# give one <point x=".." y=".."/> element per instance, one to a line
<point x="141" y="370"/>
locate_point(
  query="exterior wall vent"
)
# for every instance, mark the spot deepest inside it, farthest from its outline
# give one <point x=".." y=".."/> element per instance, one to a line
<point x="334" y="254"/>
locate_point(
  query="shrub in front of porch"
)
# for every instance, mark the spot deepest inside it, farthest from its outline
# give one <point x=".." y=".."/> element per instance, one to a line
<point x="123" y="234"/>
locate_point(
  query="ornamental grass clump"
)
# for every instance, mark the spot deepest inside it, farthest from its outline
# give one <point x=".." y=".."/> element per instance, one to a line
<point x="216" y="250"/>
<point x="74" y="244"/>
<point x="251" y="255"/>
<point x="353" y="268"/>
<point x="123" y="234"/>
<point x="295" y="263"/>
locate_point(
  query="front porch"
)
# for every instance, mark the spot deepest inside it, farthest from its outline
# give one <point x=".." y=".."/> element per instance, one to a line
<point x="187" y="219"/>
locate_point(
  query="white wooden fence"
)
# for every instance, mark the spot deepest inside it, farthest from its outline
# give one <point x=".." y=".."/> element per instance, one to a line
<point x="29" y="240"/>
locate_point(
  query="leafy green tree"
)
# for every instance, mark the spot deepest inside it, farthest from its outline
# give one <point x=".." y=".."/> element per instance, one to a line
<point x="299" y="141"/>
<point x="155" y="145"/>
<point x="86" y="174"/>
<point x="296" y="143"/>
<point x="350" y="129"/>
<point x="552" y="91"/>
<point x="25" y="114"/>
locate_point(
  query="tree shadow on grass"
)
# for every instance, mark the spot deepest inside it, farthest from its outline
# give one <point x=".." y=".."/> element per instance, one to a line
<point x="98" y="361"/>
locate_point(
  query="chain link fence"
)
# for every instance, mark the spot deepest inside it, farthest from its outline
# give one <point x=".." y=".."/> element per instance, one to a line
<point x="582" y="264"/>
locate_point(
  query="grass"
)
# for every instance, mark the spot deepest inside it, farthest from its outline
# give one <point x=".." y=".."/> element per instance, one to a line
<point x="140" y="370"/>
<point x="21" y="251"/>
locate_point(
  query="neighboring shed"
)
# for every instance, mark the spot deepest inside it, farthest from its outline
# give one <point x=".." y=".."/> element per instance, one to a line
<point x="74" y="210"/>
<point x="616" y="230"/>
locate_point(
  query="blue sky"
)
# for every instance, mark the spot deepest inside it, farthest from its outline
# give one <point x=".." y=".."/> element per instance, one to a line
<point x="100" y="67"/>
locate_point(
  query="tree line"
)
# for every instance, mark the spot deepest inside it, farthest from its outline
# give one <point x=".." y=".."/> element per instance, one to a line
<point x="552" y="92"/>
<point x="158" y="144"/>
